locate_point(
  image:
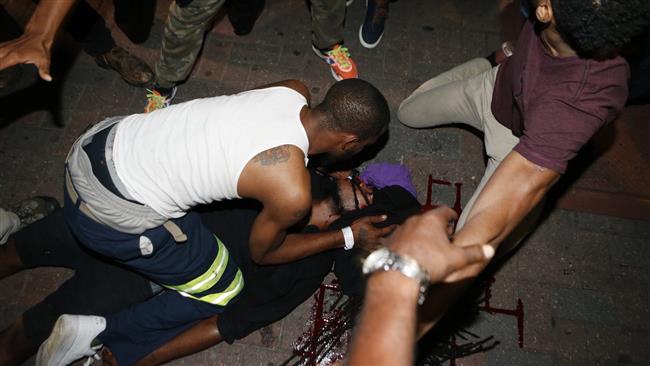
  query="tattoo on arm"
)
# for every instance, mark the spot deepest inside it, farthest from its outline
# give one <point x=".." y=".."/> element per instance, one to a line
<point x="273" y="156"/>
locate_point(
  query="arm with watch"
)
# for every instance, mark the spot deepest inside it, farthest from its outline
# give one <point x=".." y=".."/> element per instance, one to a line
<point x="419" y="253"/>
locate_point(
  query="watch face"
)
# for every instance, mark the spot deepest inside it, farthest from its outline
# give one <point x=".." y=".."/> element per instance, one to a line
<point x="373" y="260"/>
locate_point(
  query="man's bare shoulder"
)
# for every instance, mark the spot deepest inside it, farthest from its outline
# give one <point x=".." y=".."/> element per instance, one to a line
<point x="294" y="84"/>
<point x="276" y="171"/>
<point x="276" y="155"/>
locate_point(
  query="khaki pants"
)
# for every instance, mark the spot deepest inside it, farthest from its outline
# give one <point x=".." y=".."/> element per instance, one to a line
<point x="464" y="95"/>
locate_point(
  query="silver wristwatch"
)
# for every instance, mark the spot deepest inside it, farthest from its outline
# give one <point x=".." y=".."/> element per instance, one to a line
<point x="383" y="259"/>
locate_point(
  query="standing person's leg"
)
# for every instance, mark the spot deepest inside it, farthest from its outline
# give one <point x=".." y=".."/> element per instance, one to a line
<point x="89" y="29"/>
<point x="327" y="20"/>
<point x="9" y="30"/>
<point x="243" y="14"/>
<point x="183" y="38"/>
<point x="135" y="18"/>
<point x="372" y="28"/>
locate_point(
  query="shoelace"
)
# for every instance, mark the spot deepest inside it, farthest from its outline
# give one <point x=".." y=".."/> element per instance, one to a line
<point x="96" y="357"/>
<point x="155" y="100"/>
<point x="90" y="360"/>
<point x="341" y="55"/>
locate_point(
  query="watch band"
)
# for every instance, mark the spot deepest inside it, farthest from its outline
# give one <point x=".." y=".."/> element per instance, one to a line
<point x="348" y="238"/>
<point x="383" y="259"/>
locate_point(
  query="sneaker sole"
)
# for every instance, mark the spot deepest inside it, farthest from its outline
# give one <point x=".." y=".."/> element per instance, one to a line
<point x="336" y="76"/>
<point x="368" y="45"/>
<point x="318" y="53"/>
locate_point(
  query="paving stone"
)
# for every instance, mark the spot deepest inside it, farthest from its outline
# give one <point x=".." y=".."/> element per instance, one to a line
<point x="196" y="88"/>
<point x="509" y="357"/>
<point x="235" y="78"/>
<point x="263" y="75"/>
<point x="77" y="124"/>
<point x="585" y="305"/>
<point x="268" y="336"/>
<point x="295" y="324"/>
<point x="502" y="327"/>
<point x="261" y="356"/>
<point x="613" y="345"/>
<point x="505" y="293"/>
<point x="537" y="301"/>
<point x="224" y="354"/>
<point x="613" y="225"/>
<point x="632" y="308"/>
<point x="571" y="341"/>
<point x="627" y="277"/>
<point x="478" y="359"/>
<point x="255" y="54"/>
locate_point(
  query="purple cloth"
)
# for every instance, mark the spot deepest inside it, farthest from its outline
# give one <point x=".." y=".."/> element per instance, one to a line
<point x="380" y="175"/>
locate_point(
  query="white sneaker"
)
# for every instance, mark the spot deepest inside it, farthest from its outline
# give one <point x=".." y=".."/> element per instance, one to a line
<point x="70" y="340"/>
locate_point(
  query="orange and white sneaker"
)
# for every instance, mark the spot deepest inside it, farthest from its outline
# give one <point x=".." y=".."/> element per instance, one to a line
<point x="341" y="64"/>
<point x="158" y="98"/>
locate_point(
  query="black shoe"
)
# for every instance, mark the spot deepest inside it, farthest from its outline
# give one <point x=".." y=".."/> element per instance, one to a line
<point x="133" y="70"/>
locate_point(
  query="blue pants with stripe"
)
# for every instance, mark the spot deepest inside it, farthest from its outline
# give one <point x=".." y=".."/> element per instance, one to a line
<point x="135" y="332"/>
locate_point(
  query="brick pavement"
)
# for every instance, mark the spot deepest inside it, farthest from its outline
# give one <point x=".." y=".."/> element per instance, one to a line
<point x="583" y="279"/>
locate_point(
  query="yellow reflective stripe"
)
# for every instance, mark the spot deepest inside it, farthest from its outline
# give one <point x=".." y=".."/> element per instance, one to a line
<point x="222" y="298"/>
<point x="208" y="279"/>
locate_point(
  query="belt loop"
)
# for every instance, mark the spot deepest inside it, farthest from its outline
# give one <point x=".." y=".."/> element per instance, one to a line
<point x="176" y="232"/>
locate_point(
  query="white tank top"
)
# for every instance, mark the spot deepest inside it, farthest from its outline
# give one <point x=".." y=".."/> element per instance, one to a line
<point x="193" y="153"/>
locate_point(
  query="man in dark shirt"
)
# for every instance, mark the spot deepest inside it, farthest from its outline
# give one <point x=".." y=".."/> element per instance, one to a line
<point x="536" y="111"/>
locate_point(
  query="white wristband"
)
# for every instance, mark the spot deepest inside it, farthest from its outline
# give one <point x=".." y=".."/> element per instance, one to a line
<point x="348" y="237"/>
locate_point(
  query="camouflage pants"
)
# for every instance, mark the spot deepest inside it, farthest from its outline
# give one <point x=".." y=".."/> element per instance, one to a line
<point x="183" y="38"/>
<point x="327" y="17"/>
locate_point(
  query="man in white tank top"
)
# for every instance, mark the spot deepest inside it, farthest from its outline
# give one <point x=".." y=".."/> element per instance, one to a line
<point x="130" y="182"/>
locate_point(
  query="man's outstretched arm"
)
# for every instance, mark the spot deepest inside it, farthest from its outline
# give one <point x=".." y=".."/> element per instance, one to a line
<point x="386" y="331"/>
<point x="514" y="189"/>
<point x="33" y="47"/>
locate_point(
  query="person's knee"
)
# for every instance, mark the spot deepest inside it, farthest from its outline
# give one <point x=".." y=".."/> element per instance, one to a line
<point x="406" y="115"/>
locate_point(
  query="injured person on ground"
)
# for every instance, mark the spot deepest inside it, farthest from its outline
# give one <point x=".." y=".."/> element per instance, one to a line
<point x="126" y="305"/>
